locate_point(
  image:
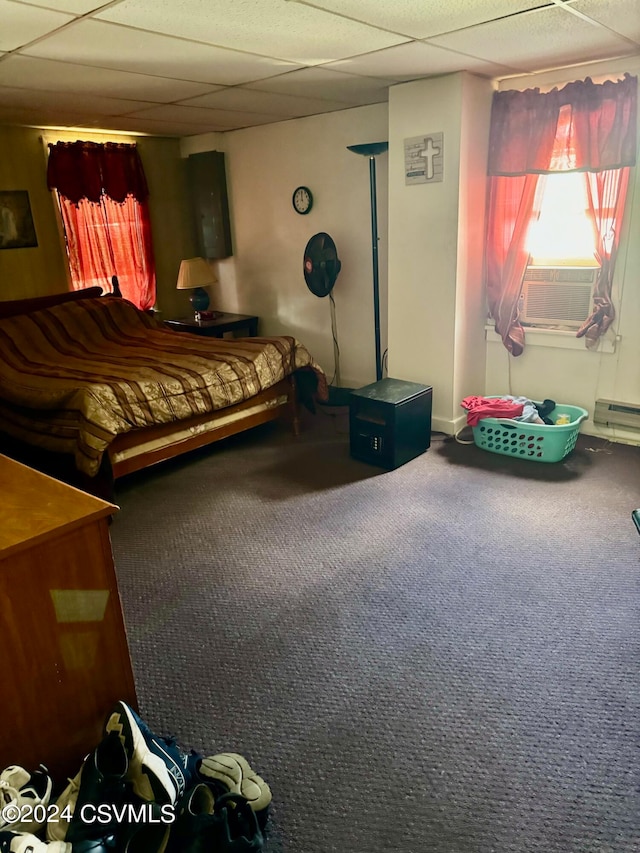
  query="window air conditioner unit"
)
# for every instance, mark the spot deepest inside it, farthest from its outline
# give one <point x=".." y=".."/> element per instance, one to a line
<point x="556" y="296"/>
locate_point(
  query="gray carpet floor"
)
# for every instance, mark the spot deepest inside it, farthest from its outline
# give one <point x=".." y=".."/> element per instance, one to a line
<point x="444" y="657"/>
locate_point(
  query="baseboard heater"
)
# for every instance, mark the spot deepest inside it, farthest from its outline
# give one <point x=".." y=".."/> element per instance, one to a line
<point x="613" y="413"/>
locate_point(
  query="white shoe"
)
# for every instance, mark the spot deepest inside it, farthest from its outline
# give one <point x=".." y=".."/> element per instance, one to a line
<point x="66" y="804"/>
<point x="20" y="793"/>
<point x="25" y="842"/>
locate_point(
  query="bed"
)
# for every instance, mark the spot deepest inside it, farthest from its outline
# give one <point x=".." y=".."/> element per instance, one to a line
<point x="94" y="377"/>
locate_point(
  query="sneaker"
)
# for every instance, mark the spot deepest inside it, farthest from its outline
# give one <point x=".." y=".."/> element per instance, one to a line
<point x="143" y="839"/>
<point x="18" y="789"/>
<point x="25" y="842"/>
<point x="229" y="772"/>
<point x="158" y="770"/>
<point x="191" y="829"/>
<point x="102" y="779"/>
<point x="236" y="826"/>
<point x="204" y="824"/>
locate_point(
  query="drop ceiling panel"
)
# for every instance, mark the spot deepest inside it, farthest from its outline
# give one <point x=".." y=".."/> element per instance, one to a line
<point x="289" y="30"/>
<point x="90" y="103"/>
<point x="326" y="84"/>
<point x="158" y="128"/>
<point x="416" y="59"/>
<point x="554" y="37"/>
<point x="622" y="16"/>
<point x="76" y="7"/>
<point x="215" y="119"/>
<point x="248" y="100"/>
<point x="22" y="24"/>
<point x="97" y="43"/>
<point x="50" y="116"/>
<point x="27" y="72"/>
<point x="412" y="18"/>
<point x="225" y="64"/>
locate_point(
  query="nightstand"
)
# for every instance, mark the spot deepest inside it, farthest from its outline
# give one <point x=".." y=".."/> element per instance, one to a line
<point x="217" y="327"/>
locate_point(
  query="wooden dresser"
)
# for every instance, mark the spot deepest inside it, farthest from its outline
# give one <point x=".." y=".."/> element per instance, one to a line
<point x="65" y="659"/>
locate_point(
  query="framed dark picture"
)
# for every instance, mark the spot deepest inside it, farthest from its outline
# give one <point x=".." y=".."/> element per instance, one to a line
<point x="17" y="230"/>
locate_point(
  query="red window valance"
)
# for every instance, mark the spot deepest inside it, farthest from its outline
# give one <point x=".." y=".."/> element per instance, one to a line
<point x="80" y="170"/>
<point x="594" y="125"/>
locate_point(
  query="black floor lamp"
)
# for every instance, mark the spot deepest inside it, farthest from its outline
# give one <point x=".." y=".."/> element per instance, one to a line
<point x="370" y="150"/>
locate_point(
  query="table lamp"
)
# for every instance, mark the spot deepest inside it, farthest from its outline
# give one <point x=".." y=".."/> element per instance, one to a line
<point x="196" y="274"/>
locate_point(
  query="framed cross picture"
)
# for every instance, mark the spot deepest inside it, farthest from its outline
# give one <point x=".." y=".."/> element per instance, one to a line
<point x="17" y="230"/>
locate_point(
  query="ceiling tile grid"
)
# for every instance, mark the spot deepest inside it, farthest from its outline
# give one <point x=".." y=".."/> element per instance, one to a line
<point x="551" y="37"/>
<point x="625" y="21"/>
<point x="418" y="59"/>
<point x="22" y="24"/>
<point x="29" y="72"/>
<point x="91" y="42"/>
<point x="411" y="18"/>
<point x="324" y="83"/>
<point x="183" y="67"/>
<point x="248" y="100"/>
<point x="276" y="28"/>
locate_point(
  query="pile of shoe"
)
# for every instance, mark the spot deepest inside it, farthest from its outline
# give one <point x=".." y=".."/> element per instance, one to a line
<point x="137" y="793"/>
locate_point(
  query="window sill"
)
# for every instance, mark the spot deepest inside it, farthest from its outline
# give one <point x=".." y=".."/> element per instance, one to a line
<point x="554" y="338"/>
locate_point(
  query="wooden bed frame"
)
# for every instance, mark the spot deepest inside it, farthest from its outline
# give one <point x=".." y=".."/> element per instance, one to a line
<point x="281" y="402"/>
<point x="131" y="452"/>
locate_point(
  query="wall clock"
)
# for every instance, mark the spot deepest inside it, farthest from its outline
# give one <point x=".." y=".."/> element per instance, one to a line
<point x="302" y="200"/>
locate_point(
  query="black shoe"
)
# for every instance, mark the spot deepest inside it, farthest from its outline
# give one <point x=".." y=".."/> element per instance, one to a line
<point x="194" y="814"/>
<point x="144" y="838"/>
<point x="102" y="780"/>
<point x="224" y="825"/>
<point x="237" y="829"/>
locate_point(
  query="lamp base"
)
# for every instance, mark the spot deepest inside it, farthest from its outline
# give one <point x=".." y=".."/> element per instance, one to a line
<point x="199" y="299"/>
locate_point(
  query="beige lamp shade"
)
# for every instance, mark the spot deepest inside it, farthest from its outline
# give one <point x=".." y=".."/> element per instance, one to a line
<point x="195" y="272"/>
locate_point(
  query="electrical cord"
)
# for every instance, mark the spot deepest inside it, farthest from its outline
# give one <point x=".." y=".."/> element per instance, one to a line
<point x="461" y="440"/>
<point x="334" y="335"/>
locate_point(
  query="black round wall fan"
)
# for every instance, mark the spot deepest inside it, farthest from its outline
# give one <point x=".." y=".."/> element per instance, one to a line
<point x="321" y="268"/>
<point x="321" y="264"/>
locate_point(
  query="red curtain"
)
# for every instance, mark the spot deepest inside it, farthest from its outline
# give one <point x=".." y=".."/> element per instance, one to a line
<point x="103" y="198"/>
<point x="607" y="193"/>
<point x="90" y="169"/>
<point x="107" y="239"/>
<point x="513" y="203"/>
<point x="589" y="126"/>
<point x="603" y="123"/>
<point x="584" y="126"/>
<point x="523" y="130"/>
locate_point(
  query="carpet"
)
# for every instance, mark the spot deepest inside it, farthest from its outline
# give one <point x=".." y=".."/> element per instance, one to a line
<point x="444" y="657"/>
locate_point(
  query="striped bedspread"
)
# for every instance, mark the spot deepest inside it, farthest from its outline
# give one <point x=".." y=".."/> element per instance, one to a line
<point x="75" y="376"/>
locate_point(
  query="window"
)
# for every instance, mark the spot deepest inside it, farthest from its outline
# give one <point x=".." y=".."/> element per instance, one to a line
<point x="107" y="239"/>
<point x="563" y="234"/>
<point x="542" y="147"/>
<point x="103" y="198"/>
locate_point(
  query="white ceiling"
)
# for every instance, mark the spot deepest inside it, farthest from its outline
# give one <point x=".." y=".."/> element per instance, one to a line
<point x="183" y="67"/>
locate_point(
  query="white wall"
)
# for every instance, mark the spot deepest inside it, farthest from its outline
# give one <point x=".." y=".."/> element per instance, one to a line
<point x="435" y="244"/>
<point x="575" y="375"/>
<point x="423" y="241"/>
<point x="470" y="311"/>
<point x="265" y="275"/>
<point x="436" y="303"/>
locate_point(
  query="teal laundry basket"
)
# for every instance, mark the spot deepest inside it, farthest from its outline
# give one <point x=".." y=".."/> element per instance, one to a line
<point x="536" y="442"/>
